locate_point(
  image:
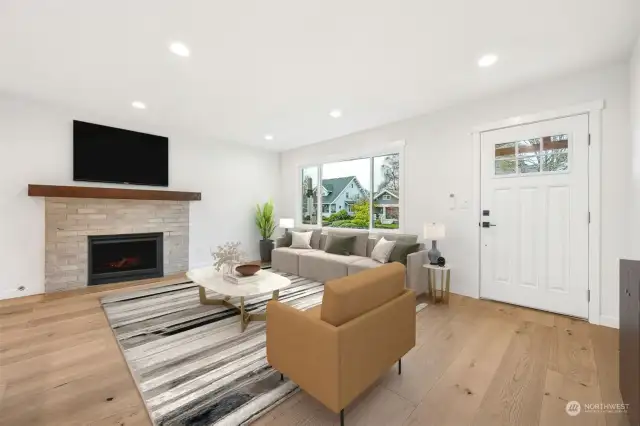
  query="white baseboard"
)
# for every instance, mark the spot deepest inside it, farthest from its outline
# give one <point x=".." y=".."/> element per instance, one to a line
<point x="609" y="321"/>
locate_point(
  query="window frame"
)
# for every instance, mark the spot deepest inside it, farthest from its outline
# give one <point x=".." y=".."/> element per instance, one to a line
<point x="519" y="174"/>
<point x="394" y="148"/>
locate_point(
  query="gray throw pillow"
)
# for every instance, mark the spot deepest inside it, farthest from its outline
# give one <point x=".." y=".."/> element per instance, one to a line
<point x="340" y="245"/>
<point x="401" y="251"/>
<point x="286" y="240"/>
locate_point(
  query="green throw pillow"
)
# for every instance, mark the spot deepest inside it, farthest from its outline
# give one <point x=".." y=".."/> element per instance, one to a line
<point x="401" y="251"/>
<point x="340" y="245"/>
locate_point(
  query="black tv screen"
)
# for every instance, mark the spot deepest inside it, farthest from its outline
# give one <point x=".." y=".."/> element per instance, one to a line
<point x="108" y="154"/>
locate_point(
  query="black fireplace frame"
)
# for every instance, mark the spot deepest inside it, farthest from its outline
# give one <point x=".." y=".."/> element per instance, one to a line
<point x="110" y="277"/>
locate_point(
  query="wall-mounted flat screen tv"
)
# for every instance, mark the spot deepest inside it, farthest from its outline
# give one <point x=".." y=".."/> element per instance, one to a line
<point x="108" y="154"/>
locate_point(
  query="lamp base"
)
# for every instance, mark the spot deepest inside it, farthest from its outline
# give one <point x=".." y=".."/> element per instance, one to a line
<point x="434" y="253"/>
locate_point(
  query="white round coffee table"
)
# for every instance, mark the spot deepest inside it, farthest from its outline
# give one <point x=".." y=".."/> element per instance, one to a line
<point x="265" y="282"/>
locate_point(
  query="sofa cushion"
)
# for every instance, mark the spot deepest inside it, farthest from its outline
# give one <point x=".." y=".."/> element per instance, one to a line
<point x="401" y="238"/>
<point x="349" y="297"/>
<point x="286" y="259"/>
<point x="329" y="257"/>
<point x="362" y="265"/>
<point x="323" y="241"/>
<point x="315" y="239"/>
<point x="371" y="244"/>
<point x="340" y="245"/>
<point x="293" y="250"/>
<point x="360" y="246"/>
<point x="321" y="266"/>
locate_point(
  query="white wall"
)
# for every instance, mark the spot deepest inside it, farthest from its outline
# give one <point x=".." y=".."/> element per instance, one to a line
<point x="439" y="161"/>
<point x="634" y="199"/>
<point x="36" y="147"/>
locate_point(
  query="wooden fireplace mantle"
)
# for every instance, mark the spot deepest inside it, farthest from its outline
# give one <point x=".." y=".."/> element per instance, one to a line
<point x="111" y="193"/>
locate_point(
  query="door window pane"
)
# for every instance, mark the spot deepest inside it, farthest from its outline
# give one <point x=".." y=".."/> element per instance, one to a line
<point x="505" y="150"/>
<point x="337" y="181"/>
<point x="310" y="195"/>
<point x="529" y="164"/>
<point x="528" y="147"/>
<point x="386" y="198"/>
<point x="529" y="155"/>
<point x="555" y="153"/>
<point x="505" y="167"/>
<point x="505" y="158"/>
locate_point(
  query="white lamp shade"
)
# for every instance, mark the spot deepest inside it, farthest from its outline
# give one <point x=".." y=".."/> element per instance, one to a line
<point x="433" y="231"/>
<point x="286" y="223"/>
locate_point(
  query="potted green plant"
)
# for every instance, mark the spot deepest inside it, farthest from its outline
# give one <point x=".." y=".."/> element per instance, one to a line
<point x="266" y="224"/>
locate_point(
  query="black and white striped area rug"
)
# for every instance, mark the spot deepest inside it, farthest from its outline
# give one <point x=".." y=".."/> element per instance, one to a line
<point x="191" y="363"/>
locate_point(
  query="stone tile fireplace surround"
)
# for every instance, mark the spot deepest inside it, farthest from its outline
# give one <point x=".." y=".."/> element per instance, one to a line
<point x="69" y="222"/>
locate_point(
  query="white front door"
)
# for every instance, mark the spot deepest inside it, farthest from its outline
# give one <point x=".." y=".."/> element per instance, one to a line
<point x="535" y="203"/>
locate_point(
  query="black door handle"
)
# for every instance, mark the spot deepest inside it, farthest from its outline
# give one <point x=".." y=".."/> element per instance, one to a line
<point x="487" y="224"/>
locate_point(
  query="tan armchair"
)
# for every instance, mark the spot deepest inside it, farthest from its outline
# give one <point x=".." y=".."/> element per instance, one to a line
<point x="335" y="351"/>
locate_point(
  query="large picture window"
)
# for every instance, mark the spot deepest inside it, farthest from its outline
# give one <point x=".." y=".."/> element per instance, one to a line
<point x="361" y="193"/>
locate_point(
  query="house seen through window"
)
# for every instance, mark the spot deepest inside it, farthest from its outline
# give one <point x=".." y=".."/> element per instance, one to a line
<point x="362" y="193"/>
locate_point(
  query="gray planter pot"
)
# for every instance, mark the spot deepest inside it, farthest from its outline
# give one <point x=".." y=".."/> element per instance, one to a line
<point x="265" y="250"/>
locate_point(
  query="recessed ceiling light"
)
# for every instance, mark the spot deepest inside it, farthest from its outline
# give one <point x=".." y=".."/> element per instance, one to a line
<point x="336" y="113"/>
<point x="487" y="60"/>
<point x="268" y="137"/>
<point x="179" y="49"/>
<point x="138" y="104"/>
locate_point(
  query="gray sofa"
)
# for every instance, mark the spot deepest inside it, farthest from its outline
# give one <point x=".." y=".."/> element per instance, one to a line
<point x="318" y="265"/>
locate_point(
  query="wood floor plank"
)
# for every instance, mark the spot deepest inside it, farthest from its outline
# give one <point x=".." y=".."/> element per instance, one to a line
<point x="454" y="400"/>
<point x="379" y="407"/>
<point x="572" y="352"/>
<point x="515" y="394"/>
<point x="560" y="390"/>
<point x="424" y="365"/>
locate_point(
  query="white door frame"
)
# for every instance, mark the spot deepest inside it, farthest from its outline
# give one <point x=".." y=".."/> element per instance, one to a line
<point x="594" y="111"/>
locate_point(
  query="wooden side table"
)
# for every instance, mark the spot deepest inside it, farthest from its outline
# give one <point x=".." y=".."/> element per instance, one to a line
<point x="445" y="280"/>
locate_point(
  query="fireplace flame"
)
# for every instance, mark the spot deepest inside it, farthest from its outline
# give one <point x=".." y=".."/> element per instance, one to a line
<point x="125" y="262"/>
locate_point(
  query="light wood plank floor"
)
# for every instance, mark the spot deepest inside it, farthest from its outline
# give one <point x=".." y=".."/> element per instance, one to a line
<point x="475" y="363"/>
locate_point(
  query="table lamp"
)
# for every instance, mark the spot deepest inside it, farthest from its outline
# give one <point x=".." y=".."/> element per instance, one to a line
<point x="286" y="224"/>
<point x="433" y="232"/>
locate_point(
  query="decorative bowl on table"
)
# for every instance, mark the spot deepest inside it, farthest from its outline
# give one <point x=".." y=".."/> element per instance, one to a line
<point x="247" y="270"/>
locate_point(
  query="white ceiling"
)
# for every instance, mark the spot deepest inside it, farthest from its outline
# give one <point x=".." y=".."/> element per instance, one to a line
<point x="279" y="66"/>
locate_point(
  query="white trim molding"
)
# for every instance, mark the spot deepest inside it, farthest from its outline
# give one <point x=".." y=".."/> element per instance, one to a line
<point x="609" y="321"/>
<point x="518" y="120"/>
<point x="594" y="111"/>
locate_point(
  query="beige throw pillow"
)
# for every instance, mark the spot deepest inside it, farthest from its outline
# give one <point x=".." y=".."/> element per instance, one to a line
<point x="301" y="240"/>
<point x="382" y="250"/>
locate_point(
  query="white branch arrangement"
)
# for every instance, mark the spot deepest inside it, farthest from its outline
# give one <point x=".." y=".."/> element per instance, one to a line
<point x="227" y="254"/>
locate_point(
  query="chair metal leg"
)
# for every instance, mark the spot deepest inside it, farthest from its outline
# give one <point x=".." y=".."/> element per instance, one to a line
<point x="400" y="366"/>
<point x="342" y="417"/>
<point x="281" y="377"/>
